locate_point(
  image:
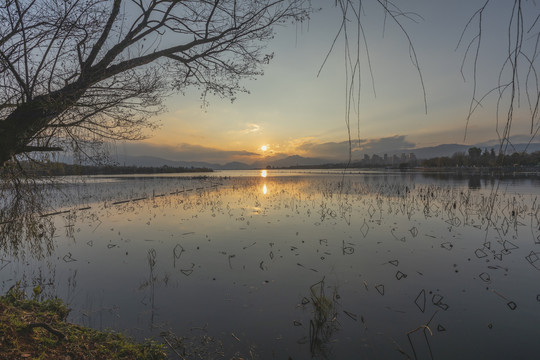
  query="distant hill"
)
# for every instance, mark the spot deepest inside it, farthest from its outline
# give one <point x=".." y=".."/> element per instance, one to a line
<point x="521" y="147"/>
<point x="144" y="160"/>
<point x="439" y="150"/>
<point x="296" y="160"/>
<point x="451" y="149"/>
<point x="157" y="161"/>
<point x="235" y="165"/>
<point x="293" y="160"/>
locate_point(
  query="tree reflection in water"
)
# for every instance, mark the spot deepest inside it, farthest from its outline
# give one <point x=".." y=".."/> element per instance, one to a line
<point x="24" y="222"/>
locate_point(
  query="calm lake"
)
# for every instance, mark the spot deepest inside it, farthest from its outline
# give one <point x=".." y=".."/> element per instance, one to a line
<point x="299" y="264"/>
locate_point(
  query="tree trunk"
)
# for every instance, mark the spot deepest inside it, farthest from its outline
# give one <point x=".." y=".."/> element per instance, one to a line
<point x="20" y="127"/>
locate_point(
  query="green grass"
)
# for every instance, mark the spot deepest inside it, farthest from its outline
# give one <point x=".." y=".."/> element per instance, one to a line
<point x="32" y="329"/>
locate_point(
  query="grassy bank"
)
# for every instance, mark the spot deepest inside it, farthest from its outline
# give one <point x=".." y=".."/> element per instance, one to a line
<point x="31" y="329"/>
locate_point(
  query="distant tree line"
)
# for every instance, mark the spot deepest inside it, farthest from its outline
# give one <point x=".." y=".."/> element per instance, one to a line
<point x="62" y="169"/>
<point x="476" y="158"/>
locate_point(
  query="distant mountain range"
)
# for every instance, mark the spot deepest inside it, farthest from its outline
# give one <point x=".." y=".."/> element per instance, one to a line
<point x="288" y="161"/>
<point x="296" y="160"/>
<point x="450" y="149"/>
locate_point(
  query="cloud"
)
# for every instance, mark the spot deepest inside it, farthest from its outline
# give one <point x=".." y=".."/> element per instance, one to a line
<point x="339" y="151"/>
<point x="251" y="128"/>
<point x="306" y="147"/>
<point x="184" y="152"/>
<point x="246" y="129"/>
<point x="389" y="145"/>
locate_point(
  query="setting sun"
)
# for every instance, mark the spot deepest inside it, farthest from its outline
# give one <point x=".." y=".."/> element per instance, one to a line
<point x="264" y="148"/>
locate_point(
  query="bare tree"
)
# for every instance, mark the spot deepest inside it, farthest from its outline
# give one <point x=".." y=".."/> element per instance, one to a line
<point x="85" y="70"/>
<point x="352" y="33"/>
<point x="518" y="82"/>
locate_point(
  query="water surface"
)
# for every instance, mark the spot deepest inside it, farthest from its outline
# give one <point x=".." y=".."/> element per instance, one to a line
<point x="300" y="263"/>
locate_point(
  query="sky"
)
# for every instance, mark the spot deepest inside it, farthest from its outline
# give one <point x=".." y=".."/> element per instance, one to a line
<point x="293" y="110"/>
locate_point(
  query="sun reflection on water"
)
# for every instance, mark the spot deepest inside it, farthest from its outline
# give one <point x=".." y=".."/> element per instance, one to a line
<point x="382" y="226"/>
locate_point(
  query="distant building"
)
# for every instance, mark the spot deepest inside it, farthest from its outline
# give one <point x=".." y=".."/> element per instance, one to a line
<point x="389" y="160"/>
<point x="376" y="160"/>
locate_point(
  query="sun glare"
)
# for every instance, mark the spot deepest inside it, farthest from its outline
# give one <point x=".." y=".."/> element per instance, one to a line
<point x="263" y="173"/>
<point x="264" y="148"/>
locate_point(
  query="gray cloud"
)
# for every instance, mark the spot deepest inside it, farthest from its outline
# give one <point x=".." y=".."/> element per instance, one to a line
<point x="389" y="145"/>
<point x="332" y="151"/>
<point x="340" y="150"/>
<point x="182" y="152"/>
